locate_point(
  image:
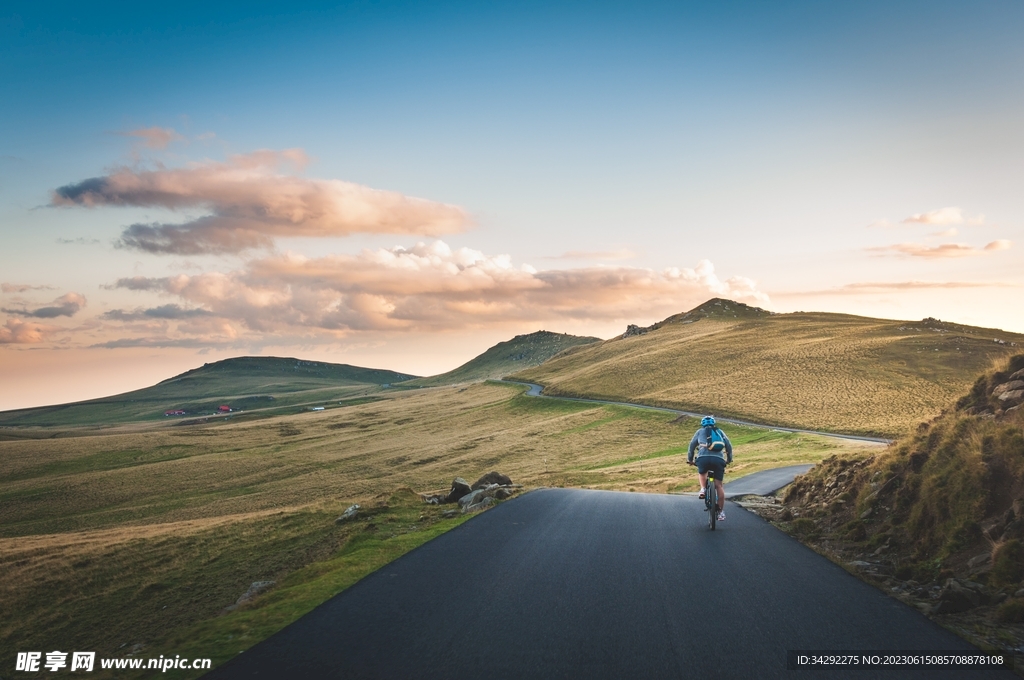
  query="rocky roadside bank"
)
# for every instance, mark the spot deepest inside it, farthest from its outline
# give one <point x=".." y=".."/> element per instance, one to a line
<point x="957" y="594"/>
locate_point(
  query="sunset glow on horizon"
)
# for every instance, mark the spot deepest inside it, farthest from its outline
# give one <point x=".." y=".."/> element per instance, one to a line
<point x="402" y="185"/>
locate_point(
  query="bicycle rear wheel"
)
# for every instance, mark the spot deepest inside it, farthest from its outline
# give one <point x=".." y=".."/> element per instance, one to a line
<point x="712" y="498"/>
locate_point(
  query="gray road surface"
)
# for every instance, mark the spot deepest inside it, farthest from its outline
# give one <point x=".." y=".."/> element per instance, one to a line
<point x="567" y="583"/>
<point x="764" y="482"/>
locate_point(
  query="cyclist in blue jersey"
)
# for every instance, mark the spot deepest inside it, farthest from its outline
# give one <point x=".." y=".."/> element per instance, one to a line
<point x="713" y="452"/>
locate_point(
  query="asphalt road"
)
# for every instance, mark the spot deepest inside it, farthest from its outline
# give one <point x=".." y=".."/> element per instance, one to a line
<point x="565" y="583"/>
<point x="764" y="482"/>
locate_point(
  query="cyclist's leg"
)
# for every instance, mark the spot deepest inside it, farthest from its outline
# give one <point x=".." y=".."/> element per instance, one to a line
<point x="719" y="474"/>
<point x="702" y="477"/>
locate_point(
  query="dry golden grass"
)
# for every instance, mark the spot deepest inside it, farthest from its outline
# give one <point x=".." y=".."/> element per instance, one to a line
<point x="817" y="371"/>
<point x="138" y="536"/>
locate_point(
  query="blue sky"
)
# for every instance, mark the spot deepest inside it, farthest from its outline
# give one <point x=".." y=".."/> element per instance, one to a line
<point x="791" y="145"/>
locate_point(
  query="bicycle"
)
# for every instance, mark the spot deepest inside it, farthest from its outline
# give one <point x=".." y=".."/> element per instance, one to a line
<point x="710" y="499"/>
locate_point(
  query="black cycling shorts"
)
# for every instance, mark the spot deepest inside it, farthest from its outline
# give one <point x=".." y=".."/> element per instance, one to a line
<point x="711" y="463"/>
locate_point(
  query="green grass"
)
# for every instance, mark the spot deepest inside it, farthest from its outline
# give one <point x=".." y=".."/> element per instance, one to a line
<point x="101" y="530"/>
<point x="379" y="537"/>
<point x="507" y="357"/>
<point x="818" y="371"/>
<point x="258" y="386"/>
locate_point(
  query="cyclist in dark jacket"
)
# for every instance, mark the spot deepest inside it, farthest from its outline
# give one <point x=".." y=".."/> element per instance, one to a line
<point x="708" y="459"/>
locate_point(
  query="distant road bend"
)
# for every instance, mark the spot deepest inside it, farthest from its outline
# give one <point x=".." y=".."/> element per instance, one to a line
<point x="535" y="390"/>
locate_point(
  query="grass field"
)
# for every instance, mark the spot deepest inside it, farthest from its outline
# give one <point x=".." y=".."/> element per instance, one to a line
<point x="818" y="371"/>
<point x="257" y="386"/>
<point x="522" y="351"/>
<point x="136" y="539"/>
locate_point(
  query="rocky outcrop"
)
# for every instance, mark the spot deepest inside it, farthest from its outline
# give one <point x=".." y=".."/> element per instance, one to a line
<point x="998" y="393"/>
<point x="491" y="487"/>
<point x="1009" y="392"/>
<point x="460" y="487"/>
<point x="492" y="478"/>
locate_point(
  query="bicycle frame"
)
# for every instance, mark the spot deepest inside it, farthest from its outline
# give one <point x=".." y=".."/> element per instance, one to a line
<point x="711" y="500"/>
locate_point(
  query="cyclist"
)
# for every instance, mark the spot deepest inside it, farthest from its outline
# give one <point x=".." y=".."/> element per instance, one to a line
<point x="705" y="442"/>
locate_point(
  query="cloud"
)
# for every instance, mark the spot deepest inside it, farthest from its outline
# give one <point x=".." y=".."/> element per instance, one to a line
<point x="80" y="241"/>
<point x="433" y="287"/>
<point x="137" y="283"/>
<point x="162" y="312"/>
<point x="65" y="305"/>
<point x="21" y="287"/>
<point x="154" y="137"/>
<point x="599" y="255"/>
<point x="251" y="202"/>
<point x="945" y="250"/>
<point x="944" y="217"/>
<point x="162" y="341"/>
<point x="19" y="332"/>
<point x="867" y="287"/>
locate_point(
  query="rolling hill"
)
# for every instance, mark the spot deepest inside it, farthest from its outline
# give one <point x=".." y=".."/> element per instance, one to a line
<point x="241" y="383"/>
<point x="832" y="372"/>
<point x="522" y="351"/>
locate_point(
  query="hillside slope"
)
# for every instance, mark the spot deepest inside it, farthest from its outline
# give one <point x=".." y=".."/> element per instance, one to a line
<point x="937" y="519"/>
<point x="240" y="383"/>
<point x="821" y="371"/>
<point x="522" y="351"/>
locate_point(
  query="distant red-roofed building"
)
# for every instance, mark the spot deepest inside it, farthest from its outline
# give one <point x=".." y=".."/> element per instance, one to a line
<point x="224" y="409"/>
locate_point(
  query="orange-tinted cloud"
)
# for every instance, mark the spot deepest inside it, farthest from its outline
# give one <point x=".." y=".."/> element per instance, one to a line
<point x="251" y="202"/>
<point x="66" y="305"/>
<point x="22" y="287"/>
<point x="598" y="255"/>
<point x="942" y="216"/>
<point x="432" y="287"/>
<point x="19" y="332"/>
<point x="945" y="250"/>
<point x="880" y="287"/>
<point x="154" y="137"/>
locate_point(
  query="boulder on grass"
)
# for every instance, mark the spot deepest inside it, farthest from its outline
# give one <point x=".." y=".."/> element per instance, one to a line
<point x="460" y="487"/>
<point x="472" y="497"/>
<point x="350" y="513"/>
<point x="484" y="503"/>
<point x="492" y="478"/>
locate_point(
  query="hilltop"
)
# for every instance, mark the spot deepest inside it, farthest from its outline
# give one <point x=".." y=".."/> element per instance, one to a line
<point x="816" y="370"/>
<point x="240" y="383"/>
<point x="522" y="351"/>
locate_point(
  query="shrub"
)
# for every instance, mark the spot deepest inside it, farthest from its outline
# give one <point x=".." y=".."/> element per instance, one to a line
<point x="1008" y="563"/>
<point x="855" y="531"/>
<point x="803" y="526"/>
<point x="1011" y="611"/>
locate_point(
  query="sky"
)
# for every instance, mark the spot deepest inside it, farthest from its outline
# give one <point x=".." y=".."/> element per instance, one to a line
<point x="402" y="185"/>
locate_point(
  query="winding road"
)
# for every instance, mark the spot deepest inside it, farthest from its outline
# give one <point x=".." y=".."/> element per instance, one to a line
<point x="535" y="390"/>
<point x="568" y="583"/>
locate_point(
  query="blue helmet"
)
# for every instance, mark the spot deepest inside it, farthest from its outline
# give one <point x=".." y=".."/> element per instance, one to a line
<point x="707" y="420"/>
